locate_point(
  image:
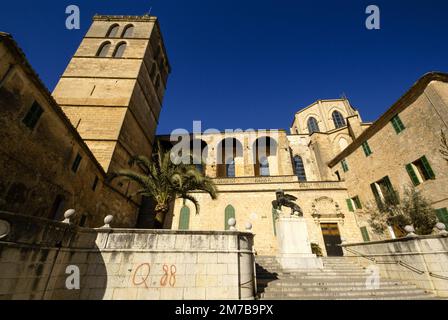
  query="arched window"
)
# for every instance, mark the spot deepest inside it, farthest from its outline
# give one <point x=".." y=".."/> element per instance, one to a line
<point x="128" y="31"/>
<point x="230" y="168"/>
<point x="119" y="50"/>
<point x="264" y="167"/>
<point x="184" y="219"/>
<point x="157" y="85"/>
<point x="227" y="151"/>
<point x="263" y="148"/>
<point x="113" y="31"/>
<point x="313" y="126"/>
<point x="229" y="213"/>
<point x="338" y="120"/>
<point x="103" y="50"/>
<point x="299" y="168"/>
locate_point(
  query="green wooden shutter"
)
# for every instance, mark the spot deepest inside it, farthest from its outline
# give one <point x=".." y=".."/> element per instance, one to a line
<point x="350" y="205"/>
<point x="376" y="194"/>
<point x="412" y="174"/>
<point x="357" y="202"/>
<point x="428" y="169"/>
<point x="230" y="213"/>
<point x="442" y="215"/>
<point x="366" y="149"/>
<point x="398" y="124"/>
<point x="388" y="184"/>
<point x="365" y="234"/>
<point x="184" y="219"/>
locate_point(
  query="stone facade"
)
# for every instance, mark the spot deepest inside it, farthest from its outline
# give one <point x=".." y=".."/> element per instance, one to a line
<point x="423" y="112"/>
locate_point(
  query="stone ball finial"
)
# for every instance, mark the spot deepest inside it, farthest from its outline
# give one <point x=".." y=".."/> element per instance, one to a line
<point x="441" y="227"/>
<point x="68" y="214"/>
<point x="411" y="232"/>
<point x="107" y="221"/>
<point x="249" y="226"/>
<point x="232" y="224"/>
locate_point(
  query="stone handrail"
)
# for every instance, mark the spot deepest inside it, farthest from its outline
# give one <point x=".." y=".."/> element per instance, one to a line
<point x="280" y="179"/>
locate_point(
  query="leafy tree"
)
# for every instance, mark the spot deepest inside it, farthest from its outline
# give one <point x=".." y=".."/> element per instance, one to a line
<point x="411" y="209"/>
<point x="165" y="181"/>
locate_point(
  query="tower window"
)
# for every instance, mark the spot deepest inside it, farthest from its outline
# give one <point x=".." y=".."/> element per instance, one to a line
<point x="33" y="115"/>
<point x="119" y="50"/>
<point x="128" y="31"/>
<point x="338" y="119"/>
<point x="299" y="168"/>
<point x="313" y="126"/>
<point x="113" y="31"/>
<point x="103" y="50"/>
<point x="76" y="163"/>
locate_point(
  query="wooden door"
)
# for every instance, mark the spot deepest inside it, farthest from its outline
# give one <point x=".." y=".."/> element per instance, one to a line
<point x="332" y="239"/>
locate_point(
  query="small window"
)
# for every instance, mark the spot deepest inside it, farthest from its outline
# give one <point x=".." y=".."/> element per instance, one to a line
<point x="338" y="175"/>
<point x="338" y="119"/>
<point x="397" y="124"/>
<point x="299" y="168"/>
<point x="365" y="234"/>
<point x="313" y="125"/>
<point x="119" y="50"/>
<point x="383" y="190"/>
<point x="357" y="202"/>
<point x="76" y="163"/>
<point x="344" y="165"/>
<point x="128" y="31"/>
<point x="95" y="183"/>
<point x="228" y="214"/>
<point x="420" y="171"/>
<point x="33" y="115"/>
<point x="366" y="148"/>
<point x="157" y="85"/>
<point x="103" y="50"/>
<point x="113" y="31"/>
<point x="184" y="218"/>
<point x="152" y="73"/>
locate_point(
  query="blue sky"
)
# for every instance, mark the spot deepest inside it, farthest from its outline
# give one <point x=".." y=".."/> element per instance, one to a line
<point x="253" y="64"/>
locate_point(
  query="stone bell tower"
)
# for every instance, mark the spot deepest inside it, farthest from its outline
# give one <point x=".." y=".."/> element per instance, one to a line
<point x="113" y="87"/>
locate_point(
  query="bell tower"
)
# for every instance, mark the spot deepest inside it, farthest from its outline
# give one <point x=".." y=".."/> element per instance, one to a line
<point x="113" y="87"/>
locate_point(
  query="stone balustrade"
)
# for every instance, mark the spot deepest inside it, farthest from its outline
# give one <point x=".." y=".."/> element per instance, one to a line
<point x="116" y="264"/>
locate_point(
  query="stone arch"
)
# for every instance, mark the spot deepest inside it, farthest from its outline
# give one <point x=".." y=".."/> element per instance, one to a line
<point x="263" y="148"/>
<point x="227" y="151"/>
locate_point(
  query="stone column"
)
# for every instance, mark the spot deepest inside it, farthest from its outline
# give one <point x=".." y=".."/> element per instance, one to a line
<point x="294" y="246"/>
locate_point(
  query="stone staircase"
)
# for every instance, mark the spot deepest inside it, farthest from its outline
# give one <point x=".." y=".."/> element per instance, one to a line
<point x="339" y="280"/>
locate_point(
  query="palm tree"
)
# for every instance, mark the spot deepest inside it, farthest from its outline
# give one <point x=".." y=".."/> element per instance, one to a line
<point x="165" y="181"/>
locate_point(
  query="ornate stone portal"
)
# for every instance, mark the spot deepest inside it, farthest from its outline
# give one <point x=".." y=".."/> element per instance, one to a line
<point x="293" y="241"/>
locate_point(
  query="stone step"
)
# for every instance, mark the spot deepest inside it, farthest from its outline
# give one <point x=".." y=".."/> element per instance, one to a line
<point x="337" y="290"/>
<point x="413" y="297"/>
<point x="355" y="294"/>
<point x="336" y="284"/>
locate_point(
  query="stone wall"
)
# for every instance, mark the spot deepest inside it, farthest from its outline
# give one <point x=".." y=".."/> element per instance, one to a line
<point x="422" y="261"/>
<point x="252" y="201"/>
<point x="118" y="264"/>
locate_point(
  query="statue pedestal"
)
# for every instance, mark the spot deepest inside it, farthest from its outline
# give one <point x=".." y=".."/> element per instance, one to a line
<point x="294" y="246"/>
